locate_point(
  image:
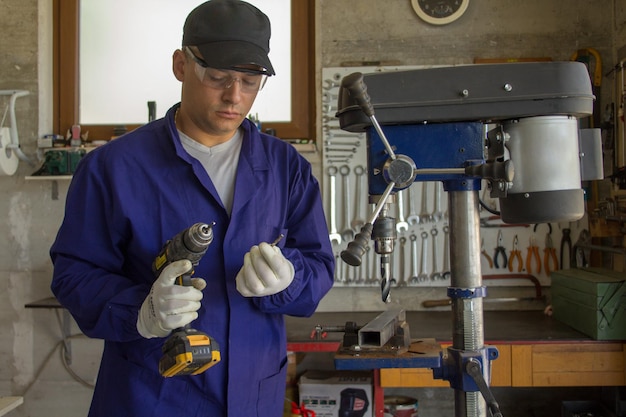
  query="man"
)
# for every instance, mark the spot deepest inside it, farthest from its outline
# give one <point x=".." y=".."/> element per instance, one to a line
<point x="203" y="162"/>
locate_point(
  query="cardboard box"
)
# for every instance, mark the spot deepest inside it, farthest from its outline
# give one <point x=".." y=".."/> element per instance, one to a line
<point x="592" y="301"/>
<point x="337" y="393"/>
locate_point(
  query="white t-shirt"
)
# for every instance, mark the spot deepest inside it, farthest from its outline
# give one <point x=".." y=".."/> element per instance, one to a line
<point x="220" y="162"/>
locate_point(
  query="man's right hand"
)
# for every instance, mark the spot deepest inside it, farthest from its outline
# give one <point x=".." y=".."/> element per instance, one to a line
<point x="170" y="306"/>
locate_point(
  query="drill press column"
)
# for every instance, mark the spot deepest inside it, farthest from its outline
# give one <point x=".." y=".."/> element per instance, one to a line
<point x="467" y="313"/>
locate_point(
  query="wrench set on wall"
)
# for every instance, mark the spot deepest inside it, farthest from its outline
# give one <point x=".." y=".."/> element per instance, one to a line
<point x="421" y="258"/>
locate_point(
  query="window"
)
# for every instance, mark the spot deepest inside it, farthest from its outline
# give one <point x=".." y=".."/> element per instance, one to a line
<point x="296" y="124"/>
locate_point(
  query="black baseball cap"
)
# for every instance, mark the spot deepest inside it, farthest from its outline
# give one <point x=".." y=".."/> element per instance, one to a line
<point x="229" y="33"/>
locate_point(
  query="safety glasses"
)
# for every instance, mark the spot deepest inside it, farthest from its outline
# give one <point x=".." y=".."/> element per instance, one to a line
<point x="251" y="81"/>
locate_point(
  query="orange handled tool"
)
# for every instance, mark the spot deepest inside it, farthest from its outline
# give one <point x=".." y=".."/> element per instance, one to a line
<point x="485" y="254"/>
<point x="549" y="256"/>
<point x="515" y="256"/>
<point x="533" y="253"/>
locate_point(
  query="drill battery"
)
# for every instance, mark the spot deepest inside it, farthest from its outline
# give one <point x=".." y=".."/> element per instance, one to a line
<point x="188" y="352"/>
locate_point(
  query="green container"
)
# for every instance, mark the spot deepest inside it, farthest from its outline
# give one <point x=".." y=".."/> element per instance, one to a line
<point x="62" y="161"/>
<point x="592" y="301"/>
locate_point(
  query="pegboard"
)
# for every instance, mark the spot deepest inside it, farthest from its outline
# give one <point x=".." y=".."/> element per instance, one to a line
<point x="421" y="255"/>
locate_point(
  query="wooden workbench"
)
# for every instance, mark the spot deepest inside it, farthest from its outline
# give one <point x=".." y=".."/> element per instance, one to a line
<point x="534" y="350"/>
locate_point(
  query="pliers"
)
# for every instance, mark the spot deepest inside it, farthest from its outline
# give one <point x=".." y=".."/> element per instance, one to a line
<point x="549" y="254"/>
<point x="566" y="240"/>
<point x="485" y="254"/>
<point x="515" y="255"/>
<point x="500" y="250"/>
<point x="533" y="253"/>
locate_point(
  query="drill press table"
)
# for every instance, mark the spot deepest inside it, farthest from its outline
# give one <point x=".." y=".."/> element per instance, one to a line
<point x="499" y="326"/>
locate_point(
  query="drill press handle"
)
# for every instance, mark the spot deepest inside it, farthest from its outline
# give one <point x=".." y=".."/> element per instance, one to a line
<point x="357" y="90"/>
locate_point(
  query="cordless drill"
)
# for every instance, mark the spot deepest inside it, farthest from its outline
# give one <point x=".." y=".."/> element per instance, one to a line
<point x="187" y="351"/>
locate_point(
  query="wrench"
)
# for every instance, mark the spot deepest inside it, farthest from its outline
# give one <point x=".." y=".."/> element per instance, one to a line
<point x="331" y="143"/>
<point x="413" y="278"/>
<point x="392" y="274"/>
<point x="368" y="273"/>
<point x="423" y="276"/>
<point x="401" y="226"/>
<point x="347" y="273"/>
<point x="437" y="213"/>
<point x="331" y="125"/>
<point x="347" y="234"/>
<point x="328" y="108"/>
<point x="425" y="216"/>
<point x="333" y="235"/>
<point x="435" y="275"/>
<point x="446" y="252"/>
<point x="413" y="218"/>
<point x="330" y="84"/>
<point x="331" y="132"/>
<point x="328" y="119"/>
<point x="330" y="129"/>
<point x="349" y="150"/>
<point x="402" y="282"/>
<point x="326" y="97"/>
<point x="361" y="275"/>
<point x="358" y="222"/>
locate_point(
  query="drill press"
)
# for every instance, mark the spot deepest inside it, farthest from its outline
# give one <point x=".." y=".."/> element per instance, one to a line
<point x="514" y="125"/>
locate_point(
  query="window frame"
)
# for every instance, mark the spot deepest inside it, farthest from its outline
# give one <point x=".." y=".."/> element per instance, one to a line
<point x="66" y="73"/>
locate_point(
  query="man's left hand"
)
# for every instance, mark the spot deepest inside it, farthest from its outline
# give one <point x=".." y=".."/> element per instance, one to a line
<point x="265" y="271"/>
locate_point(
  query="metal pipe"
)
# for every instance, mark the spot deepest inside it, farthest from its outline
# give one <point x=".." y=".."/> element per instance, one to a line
<point x="438" y="171"/>
<point x="467" y="313"/>
<point x="616" y="250"/>
<point x="15" y="143"/>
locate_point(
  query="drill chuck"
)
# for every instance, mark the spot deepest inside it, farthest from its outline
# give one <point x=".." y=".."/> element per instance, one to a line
<point x="192" y="243"/>
<point x="384" y="235"/>
<point x="198" y="238"/>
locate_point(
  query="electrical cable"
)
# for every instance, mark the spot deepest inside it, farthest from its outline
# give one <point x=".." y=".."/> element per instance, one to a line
<point x="63" y="351"/>
<point x="486" y="207"/>
<point x="64" y="355"/>
<point x="67" y="367"/>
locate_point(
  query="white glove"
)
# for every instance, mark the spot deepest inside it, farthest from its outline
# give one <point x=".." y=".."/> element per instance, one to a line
<point x="265" y="271"/>
<point x="170" y="306"/>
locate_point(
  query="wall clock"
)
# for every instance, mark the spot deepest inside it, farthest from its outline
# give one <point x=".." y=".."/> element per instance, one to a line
<point x="439" y="12"/>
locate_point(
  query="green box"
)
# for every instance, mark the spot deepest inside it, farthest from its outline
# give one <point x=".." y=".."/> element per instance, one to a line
<point x="592" y="301"/>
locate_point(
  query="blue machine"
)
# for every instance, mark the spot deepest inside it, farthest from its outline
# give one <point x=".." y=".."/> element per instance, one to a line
<point x="504" y="123"/>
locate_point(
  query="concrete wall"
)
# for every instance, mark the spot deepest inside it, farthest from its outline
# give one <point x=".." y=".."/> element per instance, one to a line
<point x="348" y="30"/>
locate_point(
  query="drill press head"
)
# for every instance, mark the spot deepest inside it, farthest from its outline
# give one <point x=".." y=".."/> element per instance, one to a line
<point x="523" y="113"/>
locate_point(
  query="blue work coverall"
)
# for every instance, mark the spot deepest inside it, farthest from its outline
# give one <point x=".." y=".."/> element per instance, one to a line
<point x="126" y="199"/>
